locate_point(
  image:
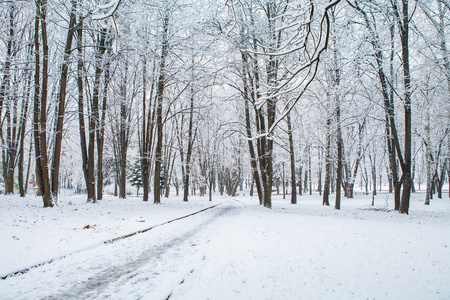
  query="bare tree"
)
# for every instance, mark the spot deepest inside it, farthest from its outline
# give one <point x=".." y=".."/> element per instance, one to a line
<point x="61" y="100"/>
<point x="40" y="102"/>
<point x="161" y="84"/>
<point x="272" y="49"/>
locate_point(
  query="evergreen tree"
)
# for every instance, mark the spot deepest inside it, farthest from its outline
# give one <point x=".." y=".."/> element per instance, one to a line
<point x="135" y="175"/>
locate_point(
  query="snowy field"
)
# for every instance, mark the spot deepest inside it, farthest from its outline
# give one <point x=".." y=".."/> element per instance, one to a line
<point x="235" y="250"/>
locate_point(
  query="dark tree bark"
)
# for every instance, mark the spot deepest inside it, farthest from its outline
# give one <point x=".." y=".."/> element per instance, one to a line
<point x="148" y="125"/>
<point x="326" y="186"/>
<point x="102" y="123"/>
<point x="339" y="158"/>
<point x="9" y="152"/>
<point x="122" y="133"/>
<point x="191" y="140"/>
<point x="86" y="154"/>
<point x="300" y="189"/>
<point x="292" y="161"/>
<point x="40" y="102"/>
<point x="253" y="158"/>
<point x="159" y="98"/>
<point x="60" y="111"/>
<point x="319" y="183"/>
<point x="387" y="91"/>
<point x="440" y="26"/>
<point x="374" y="175"/>
<point x="94" y="120"/>
<point x="267" y="141"/>
<point x="403" y="20"/>
<point x="440" y="177"/>
<point x="391" y="129"/>
<point x="23" y="123"/>
<point x="15" y="90"/>
<point x="429" y="158"/>
<point x="211" y="178"/>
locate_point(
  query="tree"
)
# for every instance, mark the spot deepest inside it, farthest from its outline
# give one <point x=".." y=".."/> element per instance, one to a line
<point x="281" y="23"/>
<point x="135" y="175"/>
<point x="60" y="110"/>
<point x="437" y="17"/>
<point x="328" y="161"/>
<point x="40" y="102"/>
<point x="403" y="19"/>
<point x="121" y="126"/>
<point x="15" y="94"/>
<point x="93" y="112"/>
<point x="161" y="84"/>
<point x="292" y="160"/>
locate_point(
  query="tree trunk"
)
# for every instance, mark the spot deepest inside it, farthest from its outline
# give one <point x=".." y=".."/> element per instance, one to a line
<point x="326" y="186"/>
<point x="210" y="190"/>
<point x="169" y="170"/>
<point x="319" y="173"/>
<point x="102" y="119"/>
<point x="283" y="183"/>
<point x="86" y="154"/>
<point x="9" y="97"/>
<point x="339" y="156"/>
<point x="23" y="123"/>
<point x="403" y="22"/>
<point x="148" y="125"/>
<point x="28" y="166"/>
<point x="267" y="142"/>
<point x="123" y="136"/>
<point x="36" y="107"/>
<point x="374" y="178"/>
<point x="191" y="138"/>
<point x="305" y="181"/>
<point x="292" y="161"/>
<point x="428" y="157"/>
<point x="309" y="171"/>
<point x="253" y="159"/>
<point x="61" y="108"/>
<point x="40" y="106"/>
<point x="159" y="99"/>
<point x="388" y="96"/>
<point x="300" y="188"/>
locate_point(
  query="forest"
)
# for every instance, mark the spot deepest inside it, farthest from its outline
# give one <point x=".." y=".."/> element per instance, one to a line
<point x="198" y="96"/>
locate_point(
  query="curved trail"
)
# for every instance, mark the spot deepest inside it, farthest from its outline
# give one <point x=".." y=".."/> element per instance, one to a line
<point x="164" y="255"/>
<point x="109" y="241"/>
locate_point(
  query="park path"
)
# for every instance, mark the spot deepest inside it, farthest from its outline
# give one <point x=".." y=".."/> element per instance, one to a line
<point x="146" y="266"/>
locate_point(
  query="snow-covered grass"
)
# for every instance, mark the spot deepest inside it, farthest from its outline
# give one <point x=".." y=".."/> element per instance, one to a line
<point x="31" y="234"/>
<point x="237" y="250"/>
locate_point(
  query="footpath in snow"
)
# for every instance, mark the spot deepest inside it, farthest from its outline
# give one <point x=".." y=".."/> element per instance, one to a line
<point x="235" y="250"/>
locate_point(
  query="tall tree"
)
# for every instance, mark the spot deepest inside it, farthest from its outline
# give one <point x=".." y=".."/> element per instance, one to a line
<point x="121" y="125"/>
<point x="387" y="91"/>
<point x="40" y="102"/>
<point x="269" y="47"/>
<point x="61" y="100"/>
<point x="292" y="160"/>
<point x="161" y="84"/>
<point x="192" y="134"/>
<point x="148" y="125"/>
<point x="403" y="19"/>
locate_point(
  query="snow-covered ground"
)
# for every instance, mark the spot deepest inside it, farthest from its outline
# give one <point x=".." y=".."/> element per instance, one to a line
<point x="235" y="250"/>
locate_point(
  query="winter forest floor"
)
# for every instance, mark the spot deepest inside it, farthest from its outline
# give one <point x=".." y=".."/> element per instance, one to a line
<point x="235" y="250"/>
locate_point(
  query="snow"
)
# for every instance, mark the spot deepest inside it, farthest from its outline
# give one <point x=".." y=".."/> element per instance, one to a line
<point x="235" y="250"/>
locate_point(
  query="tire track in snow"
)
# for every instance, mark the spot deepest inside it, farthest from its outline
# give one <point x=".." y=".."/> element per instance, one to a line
<point x="110" y="241"/>
<point x="94" y="286"/>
